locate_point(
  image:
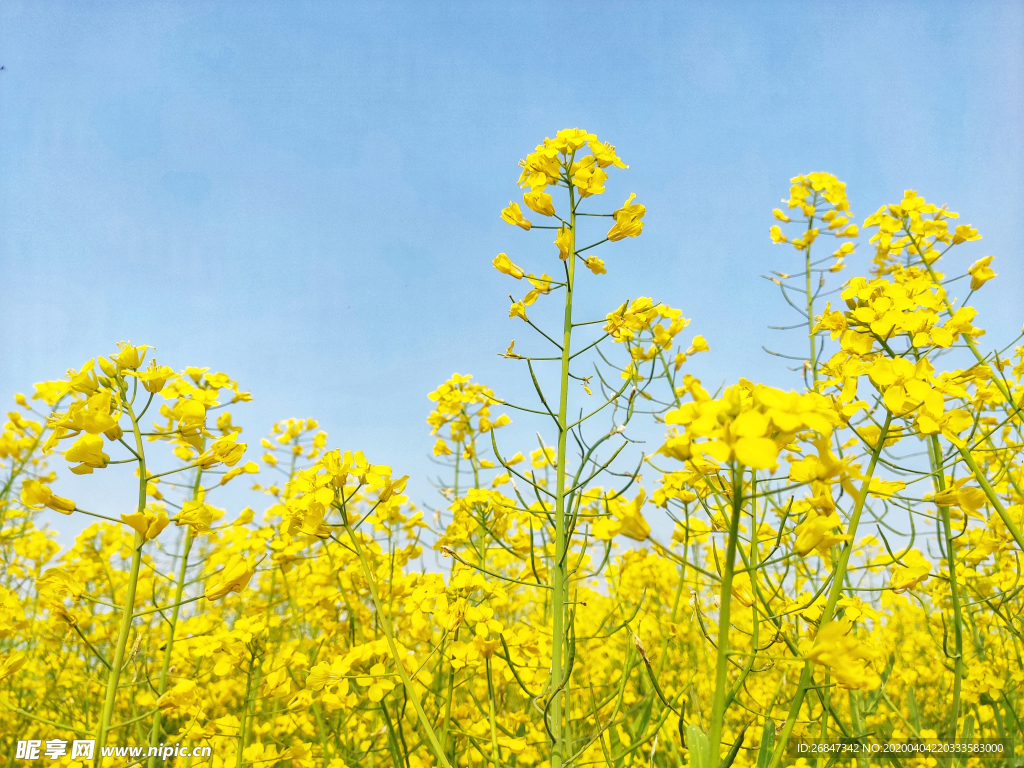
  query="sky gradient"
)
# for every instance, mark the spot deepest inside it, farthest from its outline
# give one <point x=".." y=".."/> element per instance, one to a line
<point x="307" y="195"/>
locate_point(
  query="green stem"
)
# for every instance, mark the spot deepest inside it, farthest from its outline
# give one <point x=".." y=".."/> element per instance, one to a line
<point x="154" y="735"/>
<point x="724" y="621"/>
<point x="993" y="498"/>
<point x="857" y="721"/>
<point x="939" y="481"/>
<point x="823" y="733"/>
<point x="124" y="631"/>
<point x="322" y="731"/>
<point x="179" y="590"/>
<point x="834" y="592"/>
<point x="810" y="306"/>
<point x="492" y="716"/>
<point x="448" y="708"/>
<point x="560" y="573"/>
<point x="385" y="624"/>
<point x="245" y="711"/>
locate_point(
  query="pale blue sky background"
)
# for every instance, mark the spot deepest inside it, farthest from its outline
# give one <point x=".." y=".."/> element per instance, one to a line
<point x="306" y="195"/>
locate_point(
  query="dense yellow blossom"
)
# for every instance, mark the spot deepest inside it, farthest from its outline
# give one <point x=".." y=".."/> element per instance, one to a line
<point x="814" y="564"/>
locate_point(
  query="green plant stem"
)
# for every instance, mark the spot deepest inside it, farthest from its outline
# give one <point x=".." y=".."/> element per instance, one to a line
<point x="823" y="733"/>
<point x="448" y="708"/>
<point x="560" y="573"/>
<point x="492" y="715"/>
<point x="154" y="735"/>
<point x="813" y="360"/>
<point x="939" y="483"/>
<point x="385" y="623"/>
<point x="993" y="498"/>
<point x="857" y="722"/>
<point x="245" y="712"/>
<point x="113" y="677"/>
<point x="724" y="620"/>
<point x="834" y="592"/>
<point x="179" y="590"/>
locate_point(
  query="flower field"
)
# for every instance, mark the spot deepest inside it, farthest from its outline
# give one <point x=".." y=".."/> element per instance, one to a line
<point x="841" y="562"/>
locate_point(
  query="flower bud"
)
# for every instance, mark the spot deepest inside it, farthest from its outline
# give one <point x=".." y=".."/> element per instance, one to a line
<point x="107" y="367"/>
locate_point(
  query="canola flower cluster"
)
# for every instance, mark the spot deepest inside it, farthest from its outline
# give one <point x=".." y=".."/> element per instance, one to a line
<point x="841" y="561"/>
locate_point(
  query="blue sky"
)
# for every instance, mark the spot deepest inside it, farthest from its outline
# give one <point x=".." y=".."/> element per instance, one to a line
<point x="306" y="195"/>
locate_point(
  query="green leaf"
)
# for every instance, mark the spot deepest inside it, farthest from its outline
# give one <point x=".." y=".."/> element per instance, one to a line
<point x="874" y="698"/>
<point x="764" y="752"/>
<point x="965" y="738"/>
<point x="640" y="725"/>
<point x="734" y="750"/>
<point x="915" y="714"/>
<point x="616" y="747"/>
<point x="699" y="747"/>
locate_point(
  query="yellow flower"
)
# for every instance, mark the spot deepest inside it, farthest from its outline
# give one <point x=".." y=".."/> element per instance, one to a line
<point x="632" y="521"/>
<point x="155" y="377"/>
<point x="146" y="523"/>
<point x="196" y="374"/>
<point x="34" y="494"/>
<point x="969" y="498"/>
<point x="504" y="264"/>
<point x="816" y="533"/>
<point x="981" y="272"/>
<point x="129" y="357"/>
<point x="277" y="684"/>
<point x="301" y="701"/>
<point x="595" y="265"/>
<point x="514" y="215"/>
<point x="234" y="578"/>
<point x="589" y="177"/>
<point x="699" y="344"/>
<point x="514" y="745"/>
<point x="564" y="242"/>
<point x="569" y="140"/>
<point x="540" y="202"/>
<point x="324" y="675"/>
<point x="12" y="663"/>
<point x="56" y="584"/>
<point x="378" y="685"/>
<point x="518" y="310"/>
<point x="604" y="154"/>
<point x="88" y="449"/>
<point x="855" y="609"/>
<point x="225" y="451"/>
<point x="197" y="515"/>
<point x="965" y="233"/>
<point x="92" y="416"/>
<point x="742" y="589"/>
<point x="540" y="168"/>
<point x="182" y="699"/>
<point x="915" y="570"/>
<point x="541" y="287"/>
<point x="392" y="487"/>
<point x="845" y="656"/>
<point x="249" y="468"/>
<point x="627" y="220"/>
<point x="84" y="381"/>
<point x="756" y="452"/>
